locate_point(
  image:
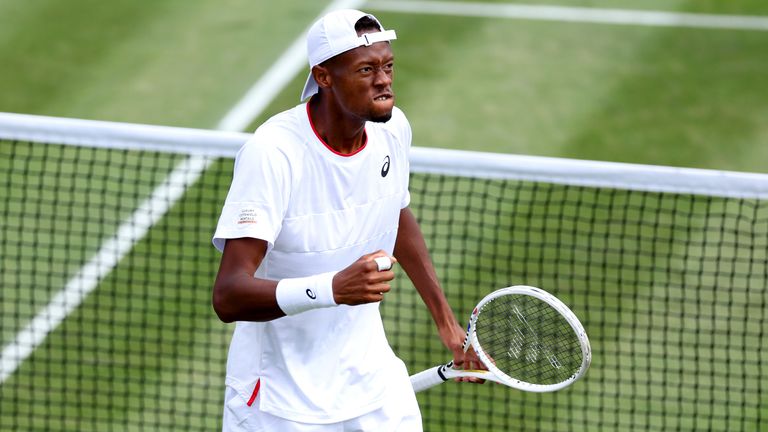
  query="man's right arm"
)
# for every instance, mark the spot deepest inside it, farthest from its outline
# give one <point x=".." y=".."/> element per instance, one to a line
<point x="239" y="296"/>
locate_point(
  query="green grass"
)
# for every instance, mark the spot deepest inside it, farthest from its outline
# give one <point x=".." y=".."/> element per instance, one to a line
<point x="169" y="62"/>
<point x="739" y="7"/>
<point x="665" y="96"/>
<point x="622" y="93"/>
<point x="145" y="351"/>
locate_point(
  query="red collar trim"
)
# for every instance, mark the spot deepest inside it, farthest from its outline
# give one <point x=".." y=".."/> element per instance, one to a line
<point x="312" y="125"/>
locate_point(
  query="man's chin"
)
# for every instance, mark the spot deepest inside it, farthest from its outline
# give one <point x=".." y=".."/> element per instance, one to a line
<point x="381" y="112"/>
<point x="382" y="118"/>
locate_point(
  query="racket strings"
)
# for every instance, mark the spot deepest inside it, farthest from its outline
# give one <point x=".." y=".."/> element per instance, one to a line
<point x="528" y="340"/>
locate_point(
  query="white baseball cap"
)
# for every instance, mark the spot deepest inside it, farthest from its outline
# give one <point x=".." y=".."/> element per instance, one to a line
<point x="334" y="34"/>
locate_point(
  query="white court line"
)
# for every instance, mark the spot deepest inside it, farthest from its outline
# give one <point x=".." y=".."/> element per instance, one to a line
<point x="133" y="229"/>
<point x="574" y="14"/>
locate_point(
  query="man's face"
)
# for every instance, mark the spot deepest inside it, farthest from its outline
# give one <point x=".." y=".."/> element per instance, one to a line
<point x="362" y="81"/>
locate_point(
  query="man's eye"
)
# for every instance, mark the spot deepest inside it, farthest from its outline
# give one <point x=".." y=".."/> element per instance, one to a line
<point x="366" y="69"/>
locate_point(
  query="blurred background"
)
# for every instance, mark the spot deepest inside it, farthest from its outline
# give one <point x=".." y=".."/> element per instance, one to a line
<point x="665" y="82"/>
<point x="668" y="95"/>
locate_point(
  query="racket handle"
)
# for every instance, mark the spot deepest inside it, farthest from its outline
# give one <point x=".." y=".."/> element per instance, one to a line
<point x="428" y="378"/>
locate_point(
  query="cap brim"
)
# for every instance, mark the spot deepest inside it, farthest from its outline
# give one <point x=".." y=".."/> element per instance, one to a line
<point x="310" y="87"/>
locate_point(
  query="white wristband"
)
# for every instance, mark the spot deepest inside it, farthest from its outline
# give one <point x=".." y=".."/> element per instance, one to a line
<point x="296" y="295"/>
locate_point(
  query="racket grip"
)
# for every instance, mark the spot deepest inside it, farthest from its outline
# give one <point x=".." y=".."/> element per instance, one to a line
<point x="427" y="379"/>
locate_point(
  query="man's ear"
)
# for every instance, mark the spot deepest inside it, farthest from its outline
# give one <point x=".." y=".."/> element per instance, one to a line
<point x="322" y="76"/>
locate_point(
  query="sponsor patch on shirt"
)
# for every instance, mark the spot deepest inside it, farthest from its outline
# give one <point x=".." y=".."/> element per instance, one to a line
<point x="247" y="215"/>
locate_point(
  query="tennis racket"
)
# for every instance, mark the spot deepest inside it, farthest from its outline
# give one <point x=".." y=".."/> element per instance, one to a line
<point x="526" y="338"/>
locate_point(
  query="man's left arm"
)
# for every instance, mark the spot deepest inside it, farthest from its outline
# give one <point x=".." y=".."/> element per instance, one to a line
<point x="413" y="256"/>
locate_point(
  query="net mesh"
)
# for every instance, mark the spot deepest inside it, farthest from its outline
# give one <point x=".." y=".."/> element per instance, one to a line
<point x="528" y="340"/>
<point x="107" y="323"/>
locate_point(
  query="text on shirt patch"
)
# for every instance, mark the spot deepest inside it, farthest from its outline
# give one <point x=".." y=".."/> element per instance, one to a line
<point x="247" y="216"/>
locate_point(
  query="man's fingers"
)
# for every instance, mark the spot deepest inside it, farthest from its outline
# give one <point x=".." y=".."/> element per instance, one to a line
<point x="381" y="288"/>
<point x="458" y="362"/>
<point x="473" y="380"/>
<point x="469" y="361"/>
<point x="381" y="259"/>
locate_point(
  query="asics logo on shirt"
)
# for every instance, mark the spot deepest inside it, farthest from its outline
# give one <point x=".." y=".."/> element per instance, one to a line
<point x="385" y="167"/>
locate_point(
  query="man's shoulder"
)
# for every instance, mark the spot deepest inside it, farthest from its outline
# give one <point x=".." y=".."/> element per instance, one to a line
<point x="285" y="124"/>
<point x="281" y="133"/>
<point x="398" y="117"/>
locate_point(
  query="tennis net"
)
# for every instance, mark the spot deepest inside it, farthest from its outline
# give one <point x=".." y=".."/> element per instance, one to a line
<point x="107" y="267"/>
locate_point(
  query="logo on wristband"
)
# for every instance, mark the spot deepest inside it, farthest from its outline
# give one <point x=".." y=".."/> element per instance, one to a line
<point x="311" y="294"/>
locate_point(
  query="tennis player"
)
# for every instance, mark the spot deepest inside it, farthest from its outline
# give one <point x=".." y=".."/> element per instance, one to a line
<point x="316" y="214"/>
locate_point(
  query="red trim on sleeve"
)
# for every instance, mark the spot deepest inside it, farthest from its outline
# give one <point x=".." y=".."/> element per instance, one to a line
<point x="255" y="392"/>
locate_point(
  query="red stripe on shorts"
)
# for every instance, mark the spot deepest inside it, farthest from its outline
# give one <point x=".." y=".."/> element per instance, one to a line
<point x="255" y="392"/>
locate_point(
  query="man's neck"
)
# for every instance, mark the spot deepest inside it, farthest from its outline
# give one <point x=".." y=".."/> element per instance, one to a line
<point x="342" y="133"/>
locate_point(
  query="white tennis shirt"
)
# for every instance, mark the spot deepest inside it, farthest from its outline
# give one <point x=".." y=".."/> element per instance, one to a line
<point x="319" y="211"/>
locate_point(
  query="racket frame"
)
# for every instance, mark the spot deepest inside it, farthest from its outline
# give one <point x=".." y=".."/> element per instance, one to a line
<point x="438" y="374"/>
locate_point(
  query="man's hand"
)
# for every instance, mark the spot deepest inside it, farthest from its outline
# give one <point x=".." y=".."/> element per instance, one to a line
<point x="362" y="282"/>
<point x="453" y="338"/>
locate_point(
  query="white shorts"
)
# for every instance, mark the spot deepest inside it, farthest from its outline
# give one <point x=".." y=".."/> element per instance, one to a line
<point x="400" y="413"/>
